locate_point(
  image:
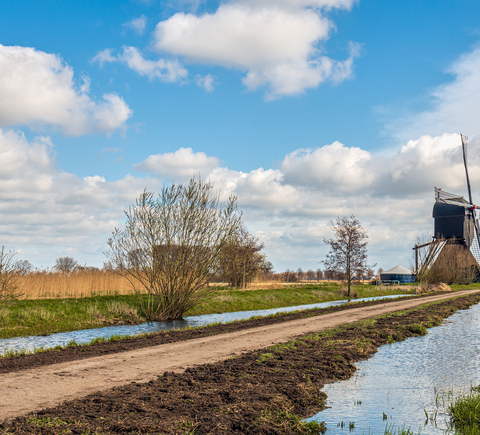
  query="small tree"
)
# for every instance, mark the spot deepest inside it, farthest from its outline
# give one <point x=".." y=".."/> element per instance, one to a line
<point x="319" y="274"/>
<point x="65" y="264"/>
<point x="348" y="249"/>
<point x="9" y="271"/>
<point x="310" y="275"/>
<point x="23" y="267"/>
<point x="240" y="259"/>
<point x="170" y="246"/>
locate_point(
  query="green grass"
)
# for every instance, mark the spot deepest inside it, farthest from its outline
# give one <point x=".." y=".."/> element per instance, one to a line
<point x="229" y="300"/>
<point x="47" y="316"/>
<point x="465" y="413"/>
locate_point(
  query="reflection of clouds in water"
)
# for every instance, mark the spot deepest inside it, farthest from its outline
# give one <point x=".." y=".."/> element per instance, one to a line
<point x="402" y="380"/>
<point x="85" y="336"/>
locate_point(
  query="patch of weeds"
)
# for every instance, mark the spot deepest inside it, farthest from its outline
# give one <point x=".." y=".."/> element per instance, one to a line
<point x="286" y="422"/>
<point x="390" y="340"/>
<point x="187" y="426"/>
<point x="390" y="430"/>
<point x="464" y="414"/>
<point x="264" y="357"/>
<point x="46" y="422"/>
<point x="417" y="328"/>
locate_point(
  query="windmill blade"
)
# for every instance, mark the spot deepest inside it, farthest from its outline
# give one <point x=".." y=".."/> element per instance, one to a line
<point x="472" y="210"/>
<point x="464" y="149"/>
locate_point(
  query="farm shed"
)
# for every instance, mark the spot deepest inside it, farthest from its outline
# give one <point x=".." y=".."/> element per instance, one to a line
<point x="398" y="273"/>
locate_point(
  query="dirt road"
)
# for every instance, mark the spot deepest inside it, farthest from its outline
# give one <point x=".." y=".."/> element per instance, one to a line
<point x="35" y="389"/>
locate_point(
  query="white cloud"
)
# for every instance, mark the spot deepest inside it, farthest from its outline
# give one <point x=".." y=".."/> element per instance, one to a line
<point x="183" y="163"/>
<point x="162" y="69"/>
<point x="46" y="212"/>
<point x="276" y="43"/>
<point x="334" y="167"/>
<point x="206" y="82"/>
<point x="37" y="88"/>
<point x="138" y="25"/>
<point x="391" y="195"/>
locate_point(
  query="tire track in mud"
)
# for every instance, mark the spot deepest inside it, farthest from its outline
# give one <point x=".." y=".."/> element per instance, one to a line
<point x="35" y="389"/>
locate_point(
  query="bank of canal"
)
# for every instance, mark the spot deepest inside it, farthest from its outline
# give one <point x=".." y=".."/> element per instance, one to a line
<point x="32" y="342"/>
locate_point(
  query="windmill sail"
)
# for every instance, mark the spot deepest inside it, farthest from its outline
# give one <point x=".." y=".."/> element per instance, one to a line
<point x="474" y="207"/>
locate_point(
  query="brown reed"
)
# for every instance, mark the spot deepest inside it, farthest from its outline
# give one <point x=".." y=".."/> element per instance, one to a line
<point x="47" y="284"/>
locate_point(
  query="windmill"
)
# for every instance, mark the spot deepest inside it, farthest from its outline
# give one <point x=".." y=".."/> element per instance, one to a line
<point x="456" y="226"/>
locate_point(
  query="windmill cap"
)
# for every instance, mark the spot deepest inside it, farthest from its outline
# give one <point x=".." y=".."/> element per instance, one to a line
<point x="398" y="270"/>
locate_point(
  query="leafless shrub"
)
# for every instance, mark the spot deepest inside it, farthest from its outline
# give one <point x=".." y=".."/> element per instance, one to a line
<point x="170" y="246"/>
<point x="9" y="271"/>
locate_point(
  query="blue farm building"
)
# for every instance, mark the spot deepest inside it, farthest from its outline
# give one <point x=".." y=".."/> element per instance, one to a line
<point x="398" y="273"/>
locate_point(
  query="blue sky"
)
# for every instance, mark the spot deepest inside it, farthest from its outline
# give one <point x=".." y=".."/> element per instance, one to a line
<point x="305" y="109"/>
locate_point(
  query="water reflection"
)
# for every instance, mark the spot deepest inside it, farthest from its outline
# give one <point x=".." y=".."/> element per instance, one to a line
<point x="407" y="379"/>
<point x="86" y="335"/>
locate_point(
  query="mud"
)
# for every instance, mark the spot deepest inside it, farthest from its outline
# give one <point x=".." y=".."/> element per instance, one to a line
<point x="261" y="392"/>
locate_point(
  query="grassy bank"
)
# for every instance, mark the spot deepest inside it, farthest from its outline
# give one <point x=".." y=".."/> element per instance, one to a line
<point x="46" y="316"/>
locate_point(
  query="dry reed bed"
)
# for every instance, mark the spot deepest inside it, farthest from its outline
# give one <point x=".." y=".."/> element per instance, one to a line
<point x="42" y="285"/>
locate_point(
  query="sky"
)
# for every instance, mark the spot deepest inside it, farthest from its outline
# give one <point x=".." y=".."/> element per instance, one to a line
<point x="306" y="110"/>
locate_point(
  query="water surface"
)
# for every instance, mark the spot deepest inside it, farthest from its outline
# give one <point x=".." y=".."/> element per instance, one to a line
<point x="406" y="379"/>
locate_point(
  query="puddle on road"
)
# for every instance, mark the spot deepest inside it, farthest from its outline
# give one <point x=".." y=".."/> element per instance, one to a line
<point x="86" y="335"/>
<point x="406" y="379"/>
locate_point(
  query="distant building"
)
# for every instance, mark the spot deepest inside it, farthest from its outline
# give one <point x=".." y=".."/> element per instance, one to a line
<point x="399" y="274"/>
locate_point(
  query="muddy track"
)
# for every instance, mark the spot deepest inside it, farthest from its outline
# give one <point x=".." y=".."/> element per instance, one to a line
<point x="35" y="389"/>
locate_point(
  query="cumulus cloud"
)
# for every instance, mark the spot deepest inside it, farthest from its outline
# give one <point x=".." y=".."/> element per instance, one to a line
<point x="45" y="209"/>
<point x="38" y="88"/>
<point x="331" y="166"/>
<point x="47" y="213"/>
<point x="276" y="43"/>
<point x="183" y="163"/>
<point x="138" y="25"/>
<point x="392" y="195"/>
<point x="162" y="69"/>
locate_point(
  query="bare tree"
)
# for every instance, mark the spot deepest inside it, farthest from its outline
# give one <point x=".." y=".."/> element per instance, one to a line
<point x="319" y="274"/>
<point x="170" y="246"/>
<point x="289" y="276"/>
<point x="240" y="259"/>
<point x="348" y="249"/>
<point x="23" y="267"/>
<point x="9" y="271"/>
<point x="310" y="275"/>
<point x="300" y="273"/>
<point x="65" y="264"/>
